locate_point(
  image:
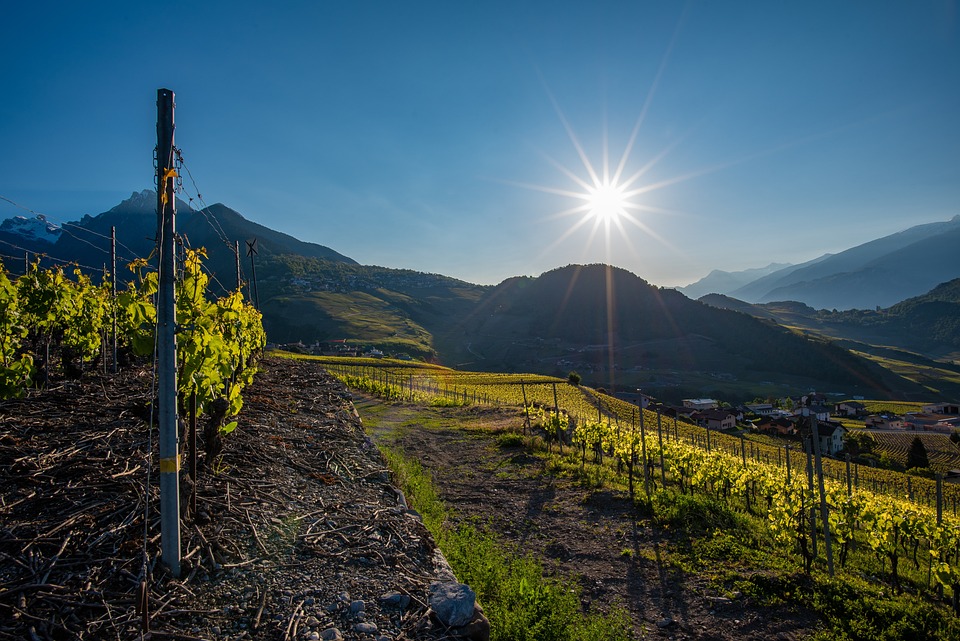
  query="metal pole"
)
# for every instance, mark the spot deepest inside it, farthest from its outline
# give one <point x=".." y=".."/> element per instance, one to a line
<point x="113" y="272"/>
<point x="166" y="339"/>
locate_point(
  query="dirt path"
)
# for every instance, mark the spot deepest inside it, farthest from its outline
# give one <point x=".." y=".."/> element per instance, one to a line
<point x="576" y="531"/>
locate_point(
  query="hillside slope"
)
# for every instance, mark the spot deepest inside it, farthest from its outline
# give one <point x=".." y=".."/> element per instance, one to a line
<point x="610" y="320"/>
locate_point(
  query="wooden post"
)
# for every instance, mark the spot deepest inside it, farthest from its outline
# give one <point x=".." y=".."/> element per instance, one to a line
<point x="526" y="409"/>
<point x="556" y="411"/>
<point x="252" y="253"/>
<point x="236" y="252"/>
<point x="633" y="455"/>
<point x="807" y="446"/>
<point x="166" y="338"/>
<point x="193" y="455"/>
<point x="849" y="478"/>
<point x="824" y="509"/>
<point x="663" y="473"/>
<point x="643" y="452"/>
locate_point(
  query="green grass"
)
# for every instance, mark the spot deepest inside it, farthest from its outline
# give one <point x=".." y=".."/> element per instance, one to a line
<point x="930" y="377"/>
<point x="732" y="551"/>
<point x="521" y="603"/>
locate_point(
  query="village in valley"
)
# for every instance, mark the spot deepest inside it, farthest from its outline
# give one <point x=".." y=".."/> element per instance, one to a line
<point x="869" y="432"/>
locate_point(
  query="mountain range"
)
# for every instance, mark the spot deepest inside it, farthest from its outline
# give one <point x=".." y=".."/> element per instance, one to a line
<point x="876" y="274"/>
<point x="610" y="325"/>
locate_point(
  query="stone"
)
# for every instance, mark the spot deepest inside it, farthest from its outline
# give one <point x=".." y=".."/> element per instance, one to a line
<point x="665" y="623"/>
<point x="395" y="599"/>
<point x="452" y="603"/>
<point x="366" y="628"/>
<point x="356" y="607"/>
<point x="478" y="629"/>
<point x="331" y="634"/>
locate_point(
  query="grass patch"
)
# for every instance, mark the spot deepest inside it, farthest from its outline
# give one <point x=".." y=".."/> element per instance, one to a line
<point x="521" y="602"/>
<point x="694" y="515"/>
<point x="857" y="611"/>
<point x="510" y="439"/>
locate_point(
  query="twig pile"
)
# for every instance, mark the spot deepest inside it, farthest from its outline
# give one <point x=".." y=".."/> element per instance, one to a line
<point x="296" y="522"/>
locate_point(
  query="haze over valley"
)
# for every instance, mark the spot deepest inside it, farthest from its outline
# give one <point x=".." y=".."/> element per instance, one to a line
<point x="604" y="322"/>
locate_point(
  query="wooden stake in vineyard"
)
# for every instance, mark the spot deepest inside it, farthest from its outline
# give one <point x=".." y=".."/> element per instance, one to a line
<point x="166" y="338"/>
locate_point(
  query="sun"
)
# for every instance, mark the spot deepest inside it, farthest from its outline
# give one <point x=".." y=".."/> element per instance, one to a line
<point x="607" y="202"/>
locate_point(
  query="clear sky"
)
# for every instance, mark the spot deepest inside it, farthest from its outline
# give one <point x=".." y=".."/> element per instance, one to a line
<point x="441" y="136"/>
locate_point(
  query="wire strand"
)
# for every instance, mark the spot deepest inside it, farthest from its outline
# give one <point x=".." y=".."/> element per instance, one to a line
<point x="53" y="258"/>
<point x="208" y="216"/>
<point x="133" y="254"/>
<point x="62" y="226"/>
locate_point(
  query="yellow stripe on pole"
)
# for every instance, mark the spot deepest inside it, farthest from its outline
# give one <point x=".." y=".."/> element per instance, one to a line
<point x="171" y="464"/>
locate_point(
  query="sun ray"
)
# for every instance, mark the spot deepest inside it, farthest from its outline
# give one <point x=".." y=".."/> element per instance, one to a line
<point x="625" y="156"/>
<point x="573" y="137"/>
<point x="569" y="173"/>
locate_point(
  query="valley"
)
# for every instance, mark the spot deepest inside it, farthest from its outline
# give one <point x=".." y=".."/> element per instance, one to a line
<point x="612" y="327"/>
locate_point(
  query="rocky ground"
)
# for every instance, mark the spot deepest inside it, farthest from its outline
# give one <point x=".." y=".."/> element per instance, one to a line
<point x="298" y="532"/>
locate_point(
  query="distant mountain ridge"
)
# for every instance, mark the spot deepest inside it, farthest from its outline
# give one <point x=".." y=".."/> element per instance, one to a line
<point x="880" y="273"/>
<point x="605" y="321"/>
<point x="721" y="282"/>
<point x="928" y="324"/>
<point x="215" y="228"/>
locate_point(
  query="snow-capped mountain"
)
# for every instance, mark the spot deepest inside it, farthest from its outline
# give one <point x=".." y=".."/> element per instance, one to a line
<point x="33" y="230"/>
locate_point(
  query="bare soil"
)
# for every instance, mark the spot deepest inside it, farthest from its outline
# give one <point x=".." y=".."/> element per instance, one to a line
<point x="590" y="535"/>
<point x="298" y="529"/>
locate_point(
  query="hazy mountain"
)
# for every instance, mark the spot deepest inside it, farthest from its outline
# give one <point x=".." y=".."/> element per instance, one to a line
<point x="928" y="325"/>
<point x="878" y="273"/>
<point x="721" y="282"/>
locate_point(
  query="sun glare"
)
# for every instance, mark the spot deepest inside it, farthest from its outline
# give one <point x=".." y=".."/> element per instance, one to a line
<point x="607" y="202"/>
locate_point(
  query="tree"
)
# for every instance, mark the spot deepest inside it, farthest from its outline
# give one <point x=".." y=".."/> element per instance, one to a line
<point x="917" y="456"/>
<point x="573" y="378"/>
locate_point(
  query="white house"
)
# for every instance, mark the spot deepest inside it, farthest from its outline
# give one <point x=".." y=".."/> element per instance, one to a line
<point x="761" y="409"/>
<point x="701" y="403"/>
<point x="831" y="438"/>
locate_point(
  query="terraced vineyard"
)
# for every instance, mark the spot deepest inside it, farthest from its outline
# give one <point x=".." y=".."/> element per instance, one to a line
<point x="892" y="514"/>
<point x="892" y="407"/>
<point x="436" y="385"/>
<point x="941" y="451"/>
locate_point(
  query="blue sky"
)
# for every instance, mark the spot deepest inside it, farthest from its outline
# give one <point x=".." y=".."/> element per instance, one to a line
<point x="434" y="135"/>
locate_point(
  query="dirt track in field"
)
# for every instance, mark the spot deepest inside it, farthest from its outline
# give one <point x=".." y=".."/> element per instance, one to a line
<point x="578" y="532"/>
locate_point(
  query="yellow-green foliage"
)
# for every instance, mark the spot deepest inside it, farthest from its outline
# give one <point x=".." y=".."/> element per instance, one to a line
<point x="892" y="407"/>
